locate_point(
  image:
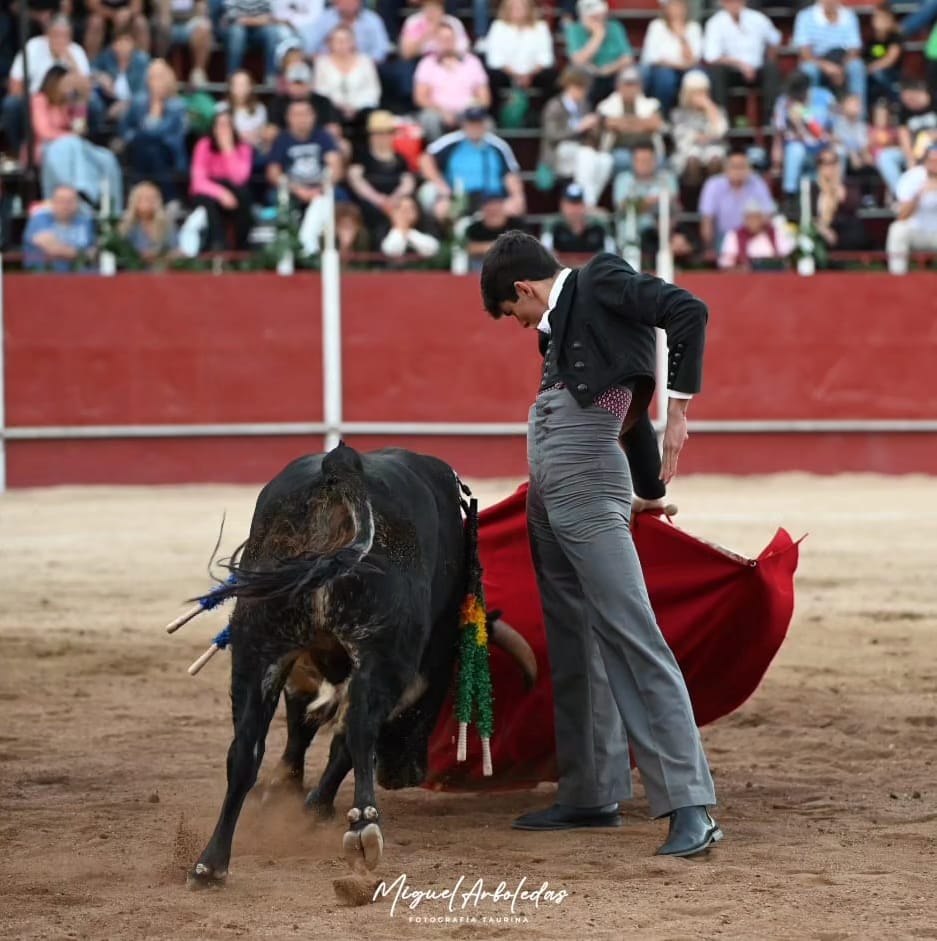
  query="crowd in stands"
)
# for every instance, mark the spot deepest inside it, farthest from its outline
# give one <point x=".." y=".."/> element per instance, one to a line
<point x="165" y="129"/>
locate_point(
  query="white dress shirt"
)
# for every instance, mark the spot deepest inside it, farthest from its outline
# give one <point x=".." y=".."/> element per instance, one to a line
<point x="745" y="39"/>
<point x="545" y="327"/>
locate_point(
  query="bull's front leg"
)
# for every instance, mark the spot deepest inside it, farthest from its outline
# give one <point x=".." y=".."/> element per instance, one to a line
<point x="373" y="692"/>
<point x="253" y="710"/>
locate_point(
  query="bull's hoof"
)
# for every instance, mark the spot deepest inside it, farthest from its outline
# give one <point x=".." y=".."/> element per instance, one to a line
<point x="203" y="876"/>
<point x="364" y="846"/>
<point x="323" y="810"/>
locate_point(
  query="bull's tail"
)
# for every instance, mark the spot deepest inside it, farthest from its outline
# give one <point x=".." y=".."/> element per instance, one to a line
<point x="341" y="510"/>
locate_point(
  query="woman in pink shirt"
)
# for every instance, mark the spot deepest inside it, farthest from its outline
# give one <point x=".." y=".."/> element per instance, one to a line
<point x="221" y="169"/>
<point x="56" y="110"/>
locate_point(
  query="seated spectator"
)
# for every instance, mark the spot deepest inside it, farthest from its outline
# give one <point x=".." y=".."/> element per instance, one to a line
<point x="803" y="122"/>
<point x="247" y="111"/>
<point x="917" y="129"/>
<point x="379" y="177"/>
<point x="371" y="37"/>
<point x="570" y="135"/>
<point x="629" y="118"/>
<point x="574" y="231"/>
<point x="673" y="45"/>
<point x="474" y="164"/>
<point x="298" y="16"/>
<point x="827" y="36"/>
<point x="43" y="52"/>
<point x="883" y="132"/>
<point x="120" y="73"/>
<point x="915" y="228"/>
<point x="302" y="154"/>
<point x="406" y="233"/>
<point x="348" y="79"/>
<point x="740" y="46"/>
<point x="59" y="119"/>
<point x="491" y="221"/>
<point x="883" y="54"/>
<point x="519" y="52"/>
<point x="446" y="84"/>
<point x="418" y="39"/>
<point x="221" y="169"/>
<point x="834" y="207"/>
<point x="185" y="23"/>
<point x="699" y="131"/>
<point x="762" y="241"/>
<point x="249" y="24"/>
<point x="351" y="237"/>
<point x="106" y="17"/>
<point x="851" y="136"/>
<point x="153" y="130"/>
<point x="146" y="226"/>
<point x="598" y="44"/>
<point x="60" y="235"/>
<point x="643" y="186"/>
<point x="724" y="198"/>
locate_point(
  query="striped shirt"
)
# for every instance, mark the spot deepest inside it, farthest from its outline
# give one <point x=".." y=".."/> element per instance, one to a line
<point x="238" y="9"/>
<point x="813" y="30"/>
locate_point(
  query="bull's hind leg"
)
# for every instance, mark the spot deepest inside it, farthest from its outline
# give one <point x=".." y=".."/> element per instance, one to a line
<point x="321" y="799"/>
<point x="300" y="731"/>
<point x="375" y="689"/>
<point x="253" y="708"/>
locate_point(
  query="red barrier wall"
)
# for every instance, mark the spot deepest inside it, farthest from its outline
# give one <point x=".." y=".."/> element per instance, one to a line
<point x="147" y="349"/>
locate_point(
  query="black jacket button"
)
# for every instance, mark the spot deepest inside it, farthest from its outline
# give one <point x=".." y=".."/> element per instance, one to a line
<point x="582" y="387"/>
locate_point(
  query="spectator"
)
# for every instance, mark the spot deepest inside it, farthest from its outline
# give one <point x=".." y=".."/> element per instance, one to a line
<point x="59" y="122"/>
<point x="370" y="35"/>
<point x="915" y="228"/>
<point x="105" y="17"/>
<point x="883" y="133"/>
<point x="598" y="44"/>
<point x="379" y="178"/>
<point x="851" y="134"/>
<point x="185" y="23"/>
<point x="492" y="221"/>
<point x="446" y="84"/>
<point x="153" y="130"/>
<point x="351" y="237"/>
<point x="221" y="169"/>
<point x="473" y="163"/>
<point x="699" y="131"/>
<point x="120" y="73"/>
<point x="570" y="136"/>
<point x="830" y="45"/>
<point x="574" y="231"/>
<point x="740" y="46"/>
<point x="725" y="196"/>
<point x="59" y="235"/>
<point x="418" y="39"/>
<point x="405" y="233"/>
<point x="883" y="54"/>
<point x="43" y="52"/>
<point x="302" y="154"/>
<point x="803" y="119"/>
<point x="298" y="16"/>
<point x="834" y="207"/>
<point x="643" y="186"/>
<point x="762" y="241"/>
<point x="146" y="226"/>
<point x="629" y="119"/>
<point x="672" y="46"/>
<point x="250" y="24"/>
<point x="247" y="112"/>
<point x="519" y="51"/>
<point x="348" y="79"/>
<point x="917" y="129"/>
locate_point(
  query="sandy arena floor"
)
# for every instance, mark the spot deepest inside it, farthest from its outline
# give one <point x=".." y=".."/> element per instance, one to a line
<point x="112" y="758"/>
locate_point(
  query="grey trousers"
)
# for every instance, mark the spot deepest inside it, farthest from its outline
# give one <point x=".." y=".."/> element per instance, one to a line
<point x="615" y="679"/>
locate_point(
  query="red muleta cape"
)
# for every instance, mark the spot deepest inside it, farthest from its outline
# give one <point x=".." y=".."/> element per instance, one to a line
<point x="724" y="616"/>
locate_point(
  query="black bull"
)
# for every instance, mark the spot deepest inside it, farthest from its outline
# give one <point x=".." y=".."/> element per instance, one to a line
<point x="349" y="589"/>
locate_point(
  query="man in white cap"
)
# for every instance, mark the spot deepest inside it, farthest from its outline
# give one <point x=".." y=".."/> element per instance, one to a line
<point x="598" y="44"/>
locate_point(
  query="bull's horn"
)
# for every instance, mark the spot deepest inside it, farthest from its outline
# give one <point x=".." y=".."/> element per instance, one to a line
<point x="174" y="626"/>
<point x="510" y="641"/>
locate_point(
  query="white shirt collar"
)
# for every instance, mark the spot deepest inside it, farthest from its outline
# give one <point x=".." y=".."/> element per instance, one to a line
<point x="555" y="291"/>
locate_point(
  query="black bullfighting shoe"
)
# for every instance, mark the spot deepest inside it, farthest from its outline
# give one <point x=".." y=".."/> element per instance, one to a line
<point x="566" y="817"/>
<point x="692" y="831"/>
